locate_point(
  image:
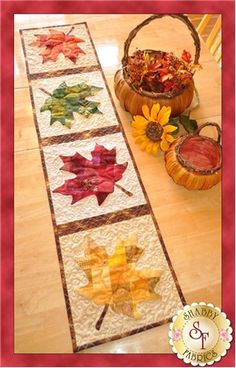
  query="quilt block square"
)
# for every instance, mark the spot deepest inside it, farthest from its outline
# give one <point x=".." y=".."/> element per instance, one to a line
<point x="78" y="197"/>
<point x="56" y="48"/>
<point x="72" y="104"/>
<point x="111" y="296"/>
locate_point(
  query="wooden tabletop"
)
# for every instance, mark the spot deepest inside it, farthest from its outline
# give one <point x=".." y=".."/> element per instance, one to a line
<point x="190" y="222"/>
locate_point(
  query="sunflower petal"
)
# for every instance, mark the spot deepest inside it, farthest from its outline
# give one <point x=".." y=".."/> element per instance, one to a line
<point x="164" y="145"/>
<point x="146" y="113"/>
<point x="149" y="147"/>
<point x="138" y="132"/>
<point x="164" y="114"/>
<point x="143" y="145"/>
<point x="170" y="128"/>
<point x="154" y="111"/>
<point x="140" y="139"/>
<point x="155" y="148"/>
<point x="138" y="126"/>
<point x="169" y="138"/>
<point x="140" y="119"/>
<point x="139" y="122"/>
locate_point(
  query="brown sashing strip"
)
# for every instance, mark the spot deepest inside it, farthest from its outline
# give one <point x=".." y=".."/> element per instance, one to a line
<point x="97" y="221"/>
<point x="60" y="230"/>
<point x="79" y="136"/>
<point x="59" y="73"/>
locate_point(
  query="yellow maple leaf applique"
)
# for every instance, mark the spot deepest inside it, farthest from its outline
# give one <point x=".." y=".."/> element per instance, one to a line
<point x="114" y="281"/>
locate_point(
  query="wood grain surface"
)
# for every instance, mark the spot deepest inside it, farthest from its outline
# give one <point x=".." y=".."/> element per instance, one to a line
<point x="190" y="222"/>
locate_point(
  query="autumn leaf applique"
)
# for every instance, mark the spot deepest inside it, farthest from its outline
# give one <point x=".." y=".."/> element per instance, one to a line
<point x="65" y="100"/>
<point x="57" y="42"/>
<point x="114" y="281"/>
<point x="93" y="177"/>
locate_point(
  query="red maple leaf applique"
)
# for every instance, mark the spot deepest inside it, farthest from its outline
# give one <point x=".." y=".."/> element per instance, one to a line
<point x="58" y="42"/>
<point x="93" y="177"/>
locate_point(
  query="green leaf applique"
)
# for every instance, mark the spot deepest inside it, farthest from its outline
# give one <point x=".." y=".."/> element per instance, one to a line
<point x="65" y="100"/>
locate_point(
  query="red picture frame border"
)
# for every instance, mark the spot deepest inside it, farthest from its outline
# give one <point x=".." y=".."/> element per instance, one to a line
<point x="8" y="9"/>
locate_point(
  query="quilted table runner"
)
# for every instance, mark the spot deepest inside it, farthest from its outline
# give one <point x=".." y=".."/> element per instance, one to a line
<point x="116" y="274"/>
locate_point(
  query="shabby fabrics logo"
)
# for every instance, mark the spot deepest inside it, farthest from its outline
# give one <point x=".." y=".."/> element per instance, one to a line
<point x="200" y="334"/>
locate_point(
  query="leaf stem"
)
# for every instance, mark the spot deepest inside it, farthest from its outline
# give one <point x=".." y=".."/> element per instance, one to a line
<point x="44" y="90"/>
<point x="124" y="190"/>
<point x="101" y="318"/>
<point x="70" y="30"/>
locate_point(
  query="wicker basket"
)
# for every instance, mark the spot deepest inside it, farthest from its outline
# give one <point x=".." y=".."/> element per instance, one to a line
<point x="132" y="99"/>
<point x="194" y="161"/>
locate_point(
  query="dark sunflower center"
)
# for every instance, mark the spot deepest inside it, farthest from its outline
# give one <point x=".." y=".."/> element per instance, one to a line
<point x="154" y="131"/>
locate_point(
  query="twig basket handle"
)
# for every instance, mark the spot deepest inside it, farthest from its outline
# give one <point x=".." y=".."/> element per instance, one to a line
<point x="181" y="17"/>
<point x="197" y="132"/>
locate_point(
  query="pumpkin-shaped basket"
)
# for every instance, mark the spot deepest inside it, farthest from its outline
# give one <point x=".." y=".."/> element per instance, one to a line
<point x="194" y="161"/>
<point x="132" y="98"/>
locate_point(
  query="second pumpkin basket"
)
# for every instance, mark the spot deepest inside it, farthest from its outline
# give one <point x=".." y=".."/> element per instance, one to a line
<point x="132" y="99"/>
<point x="194" y="161"/>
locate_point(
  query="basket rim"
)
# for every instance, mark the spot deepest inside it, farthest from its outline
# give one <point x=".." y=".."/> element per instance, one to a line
<point x="190" y="167"/>
<point x="156" y="95"/>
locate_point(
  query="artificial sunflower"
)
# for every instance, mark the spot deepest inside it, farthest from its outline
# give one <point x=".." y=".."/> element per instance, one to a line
<point x="151" y="130"/>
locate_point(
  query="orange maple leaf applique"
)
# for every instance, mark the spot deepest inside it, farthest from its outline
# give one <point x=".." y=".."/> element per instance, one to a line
<point x="58" y="42"/>
<point x="114" y="281"/>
